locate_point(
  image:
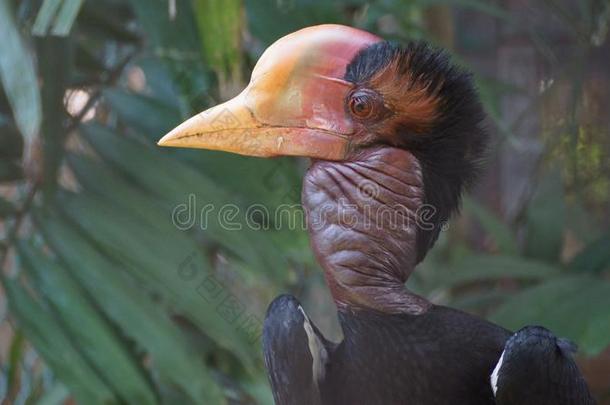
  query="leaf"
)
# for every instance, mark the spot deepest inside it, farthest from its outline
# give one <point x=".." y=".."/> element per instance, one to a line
<point x="175" y="42"/>
<point x="595" y="337"/>
<point x="529" y="306"/>
<point x="480" y="301"/>
<point x="178" y="185"/>
<point x="498" y="230"/>
<point x="220" y="26"/>
<point x="166" y="33"/>
<point x="14" y="366"/>
<point x="270" y="182"/>
<point x="98" y="179"/>
<point x="133" y="310"/>
<point x="152" y="117"/>
<point x="94" y="336"/>
<point x="56" y="16"/>
<point x="574" y="307"/>
<point x="242" y="176"/>
<point x="159" y="81"/>
<point x="66" y="17"/>
<point x="56" y="395"/>
<point x="269" y="20"/>
<point x="159" y="262"/>
<point x="477" y="268"/>
<point x="594" y="258"/>
<point x="18" y="75"/>
<point x="258" y="388"/>
<point x="54" y="346"/>
<point x="147" y="115"/>
<point x="55" y="66"/>
<point x="45" y="16"/>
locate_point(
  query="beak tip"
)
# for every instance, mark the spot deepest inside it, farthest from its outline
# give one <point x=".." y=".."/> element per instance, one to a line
<point x="166" y="140"/>
<point x="176" y="137"/>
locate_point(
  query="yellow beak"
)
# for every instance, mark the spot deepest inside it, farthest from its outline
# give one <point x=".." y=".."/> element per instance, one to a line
<point x="232" y="127"/>
<point x="294" y="104"/>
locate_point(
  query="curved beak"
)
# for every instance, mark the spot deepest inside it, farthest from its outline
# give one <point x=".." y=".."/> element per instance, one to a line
<point x="294" y="104"/>
<point x="233" y="127"/>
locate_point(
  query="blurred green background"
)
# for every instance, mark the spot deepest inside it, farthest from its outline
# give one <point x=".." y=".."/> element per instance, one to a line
<point x="106" y="300"/>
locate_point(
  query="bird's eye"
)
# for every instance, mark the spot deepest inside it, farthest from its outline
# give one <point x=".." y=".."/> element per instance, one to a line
<point x="361" y="105"/>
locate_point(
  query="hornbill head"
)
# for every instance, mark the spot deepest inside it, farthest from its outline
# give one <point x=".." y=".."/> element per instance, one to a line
<point x="390" y="129"/>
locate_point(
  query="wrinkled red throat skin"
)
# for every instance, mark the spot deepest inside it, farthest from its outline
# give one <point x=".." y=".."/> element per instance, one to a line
<point x="362" y="216"/>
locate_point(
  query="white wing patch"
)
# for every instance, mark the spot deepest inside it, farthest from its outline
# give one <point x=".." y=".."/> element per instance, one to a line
<point x="494" y="375"/>
<point x="317" y="350"/>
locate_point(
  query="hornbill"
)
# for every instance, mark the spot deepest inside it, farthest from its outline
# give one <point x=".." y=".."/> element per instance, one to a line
<point x="394" y="135"/>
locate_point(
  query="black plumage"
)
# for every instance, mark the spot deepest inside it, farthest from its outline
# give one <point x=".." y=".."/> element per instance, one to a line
<point x="288" y="353"/>
<point x="444" y="357"/>
<point x="537" y="368"/>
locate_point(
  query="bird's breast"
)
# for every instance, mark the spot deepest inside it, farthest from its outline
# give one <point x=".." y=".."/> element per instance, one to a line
<point x="441" y="357"/>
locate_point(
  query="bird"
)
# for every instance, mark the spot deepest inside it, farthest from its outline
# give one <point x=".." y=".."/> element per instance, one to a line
<point x="395" y="135"/>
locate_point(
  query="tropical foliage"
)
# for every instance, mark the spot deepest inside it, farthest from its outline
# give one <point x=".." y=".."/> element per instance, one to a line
<point x="139" y="275"/>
